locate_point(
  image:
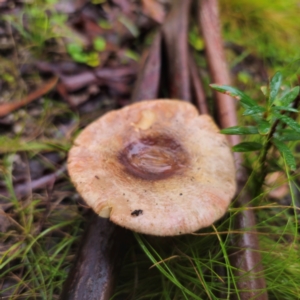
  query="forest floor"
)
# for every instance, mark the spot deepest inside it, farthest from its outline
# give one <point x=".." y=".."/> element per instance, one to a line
<point x="65" y="63"/>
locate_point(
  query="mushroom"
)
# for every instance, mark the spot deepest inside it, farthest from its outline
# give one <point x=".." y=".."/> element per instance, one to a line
<point x="155" y="167"/>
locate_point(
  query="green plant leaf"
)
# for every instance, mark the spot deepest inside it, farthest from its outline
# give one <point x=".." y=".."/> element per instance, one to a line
<point x="254" y="110"/>
<point x="240" y="130"/>
<point x="288" y="121"/>
<point x="79" y="57"/>
<point x="104" y="24"/>
<point x="275" y="86"/>
<point x="93" y="59"/>
<point x="288" y="135"/>
<point x="195" y="40"/>
<point x="74" y="48"/>
<point x="284" y="108"/>
<point x="264" y="90"/>
<point x="285" y="152"/>
<point x="98" y="1"/>
<point x="99" y="44"/>
<point x="76" y="52"/>
<point x="237" y="94"/>
<point x="264" y="127"/>
<point x="130" y="25"/>
<point x="290" y="97"/>
<point x="132" y="54"/>
<point x="246" y="147"/>
<point x="8" y="145"/>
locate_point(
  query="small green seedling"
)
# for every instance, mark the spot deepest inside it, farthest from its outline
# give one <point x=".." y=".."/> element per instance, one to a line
<point x="91" y="58"/>
<point x="274" y="122"/>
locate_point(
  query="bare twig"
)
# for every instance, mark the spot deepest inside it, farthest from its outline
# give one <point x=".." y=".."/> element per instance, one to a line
<point x="197" y="88"/>
<point x="7" y="108"/>
<point x="175" y="33"/>
<point x="148" y="81"/>
<point x="25" y="188"/>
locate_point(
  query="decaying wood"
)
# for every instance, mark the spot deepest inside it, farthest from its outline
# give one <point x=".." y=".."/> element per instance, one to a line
<point x="247" y="258"/>
<point x="98" y="261"/>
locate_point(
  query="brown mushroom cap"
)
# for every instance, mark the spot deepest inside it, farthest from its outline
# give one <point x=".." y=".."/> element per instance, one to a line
<point x="155" y="167"/>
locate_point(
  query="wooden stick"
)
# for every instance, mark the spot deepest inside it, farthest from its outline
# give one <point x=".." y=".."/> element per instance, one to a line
<point x="175" y="33"/>
<point x="98" y="261"/>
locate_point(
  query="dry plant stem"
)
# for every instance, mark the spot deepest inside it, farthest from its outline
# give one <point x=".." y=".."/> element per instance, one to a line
<point x="75" y="82"/>
<point x="7" y="108"/>
<point x="93" y="275"/>
<point x="175" y="33"/>
<point x="148" y="81"/>
<point x="247" y="259"/>
<point x="210" y="28"/>
<point x="26" y="188"/>
<point x="197" y="88"/>
<point x="179" y="65"/>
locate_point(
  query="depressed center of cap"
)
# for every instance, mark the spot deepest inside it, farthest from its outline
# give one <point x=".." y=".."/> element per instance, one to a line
<point x="153" y="157"/>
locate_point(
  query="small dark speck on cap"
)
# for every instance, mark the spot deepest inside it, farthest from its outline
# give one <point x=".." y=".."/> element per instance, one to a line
<point x="96" y="177"/>
<point x="180" y="194"/>
<point x="137" y="212"/>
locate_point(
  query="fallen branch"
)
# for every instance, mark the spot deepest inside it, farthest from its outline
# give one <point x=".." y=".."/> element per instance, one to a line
<point x="98" y="260"/>
<point x="248" y="262"/>
<point x="175" y="34"/>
